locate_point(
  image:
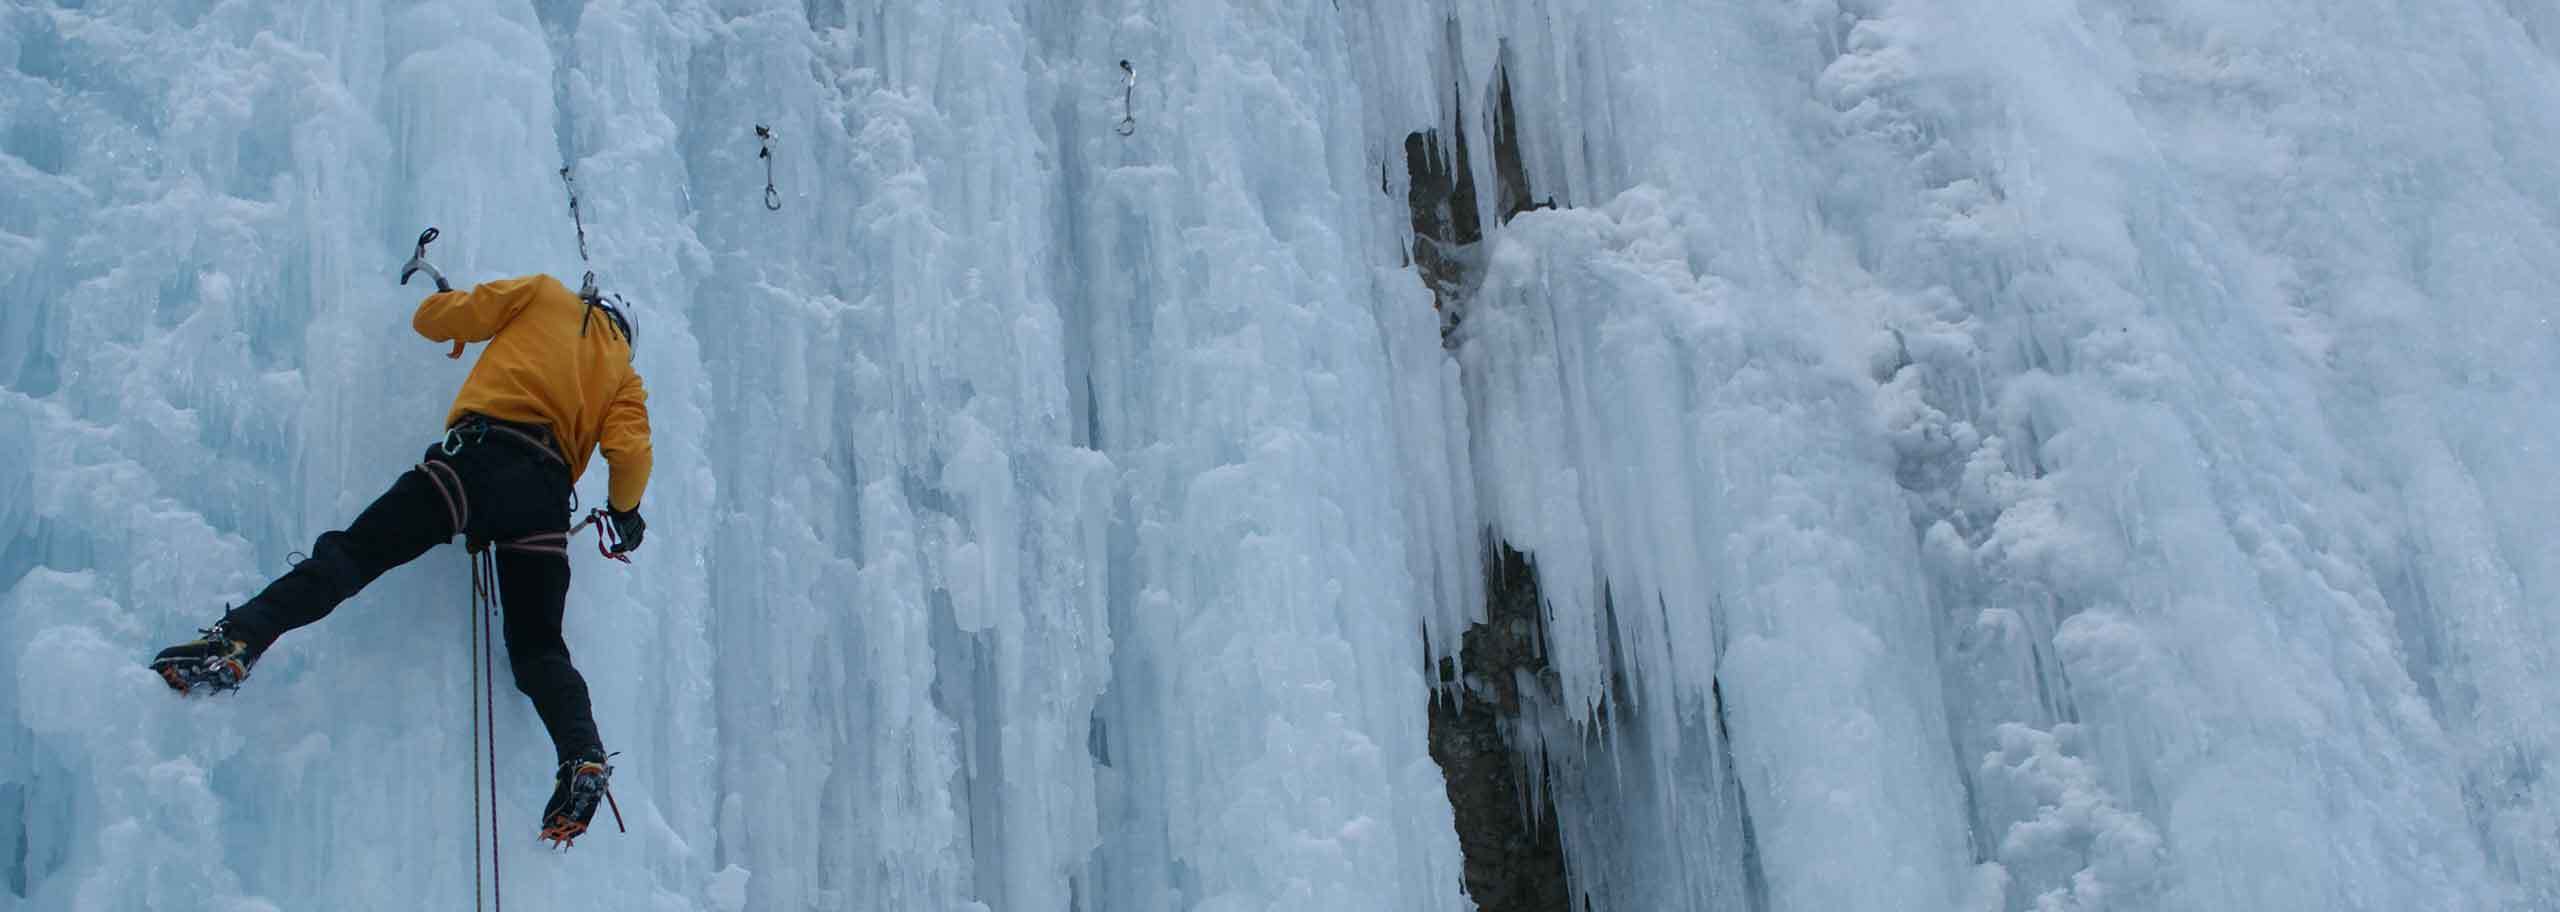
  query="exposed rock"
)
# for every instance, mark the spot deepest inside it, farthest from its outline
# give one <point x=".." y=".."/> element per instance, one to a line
<point x="1441" y="192"/>
<point x="1514" y="855"/>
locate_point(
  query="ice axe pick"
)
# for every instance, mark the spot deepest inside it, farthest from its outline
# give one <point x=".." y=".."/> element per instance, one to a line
<point x="417" y="262"/>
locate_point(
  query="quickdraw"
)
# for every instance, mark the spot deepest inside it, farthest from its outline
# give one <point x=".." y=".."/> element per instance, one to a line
<point x="574" y="217"/>
<point x="765" y="138"/>
<point x="606" y="539"/>
<point x="1128" y="100"/>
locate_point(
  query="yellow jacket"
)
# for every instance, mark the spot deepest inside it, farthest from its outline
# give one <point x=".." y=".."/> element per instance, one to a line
<point x="538" y="369"/>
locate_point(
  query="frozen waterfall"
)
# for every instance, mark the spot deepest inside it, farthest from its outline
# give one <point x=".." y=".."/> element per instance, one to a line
<point x="1839" y="454"/>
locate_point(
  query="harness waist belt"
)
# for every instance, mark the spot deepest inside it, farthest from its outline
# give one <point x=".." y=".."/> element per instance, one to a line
<point x="536" y="436"/>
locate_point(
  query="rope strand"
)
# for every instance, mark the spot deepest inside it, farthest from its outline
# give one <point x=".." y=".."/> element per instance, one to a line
<point x="489" y="707"/>
<point x="479" y="887"/>
<point x="484" y="720"/>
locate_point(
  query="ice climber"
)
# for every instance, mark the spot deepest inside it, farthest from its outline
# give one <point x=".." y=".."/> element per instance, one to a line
<point x="554" y="384"/>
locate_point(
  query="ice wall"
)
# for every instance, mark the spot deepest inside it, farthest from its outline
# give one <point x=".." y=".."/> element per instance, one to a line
<point x="2057" y="456"/>
<point x="1028" y="530"/>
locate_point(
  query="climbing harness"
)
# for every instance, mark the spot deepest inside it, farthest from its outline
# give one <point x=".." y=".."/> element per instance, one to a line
<point x="484" y="720"/>
<point x="457" y="502"/>
<point x="574" y="218"/>
<point x="555" y="544"/>
<point x="1128" y="100"/>
<point x="475" y="427"/>
<point x="765" y="138"/>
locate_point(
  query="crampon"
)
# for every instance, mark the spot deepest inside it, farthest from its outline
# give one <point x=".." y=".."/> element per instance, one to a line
<point x="582" y="784"/>
<point x="213" y="663"/>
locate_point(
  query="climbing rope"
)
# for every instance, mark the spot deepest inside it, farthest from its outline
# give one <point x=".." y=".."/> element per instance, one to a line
<point x="765" y="138"/>
<point x="1128" y="100"/>
<point x="572" y="184"/>
<point x="484" y="722"/>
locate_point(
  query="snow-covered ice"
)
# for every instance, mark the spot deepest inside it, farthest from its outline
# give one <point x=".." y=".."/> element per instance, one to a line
<point x="1976" y="455"/>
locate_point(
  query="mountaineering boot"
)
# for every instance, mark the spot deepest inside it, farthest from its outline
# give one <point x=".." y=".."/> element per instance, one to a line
<point x="216" y="662"/>
<point x="579" y="787"/>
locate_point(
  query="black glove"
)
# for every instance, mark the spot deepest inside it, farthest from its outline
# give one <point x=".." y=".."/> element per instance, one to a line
<point x="627" y="529"/>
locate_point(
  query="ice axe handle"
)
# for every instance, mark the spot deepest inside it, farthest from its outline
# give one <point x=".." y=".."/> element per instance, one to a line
<point x="418" y="261"/>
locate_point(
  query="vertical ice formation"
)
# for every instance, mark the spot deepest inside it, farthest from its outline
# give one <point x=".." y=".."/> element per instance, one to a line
<point x="1974" y="455"/>
<point x="2209" y="313"/>
<point x="1030" y="524"/>
<point x="2197" y="350"/>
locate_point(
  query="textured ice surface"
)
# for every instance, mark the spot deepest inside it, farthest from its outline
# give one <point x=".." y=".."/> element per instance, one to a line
<point x="1979" y="455"/>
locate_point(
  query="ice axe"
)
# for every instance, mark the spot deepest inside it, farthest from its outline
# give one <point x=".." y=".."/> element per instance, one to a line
<point x="418" y="261"/>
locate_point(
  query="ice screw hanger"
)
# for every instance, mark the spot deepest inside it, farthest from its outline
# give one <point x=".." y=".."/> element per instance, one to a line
<point x="1128" y="100"/>
<point x="764" y="138"/>
<point x="574" y="218"/>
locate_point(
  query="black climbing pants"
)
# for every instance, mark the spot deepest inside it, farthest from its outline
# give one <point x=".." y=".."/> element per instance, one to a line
<point x="495" y="488"/>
